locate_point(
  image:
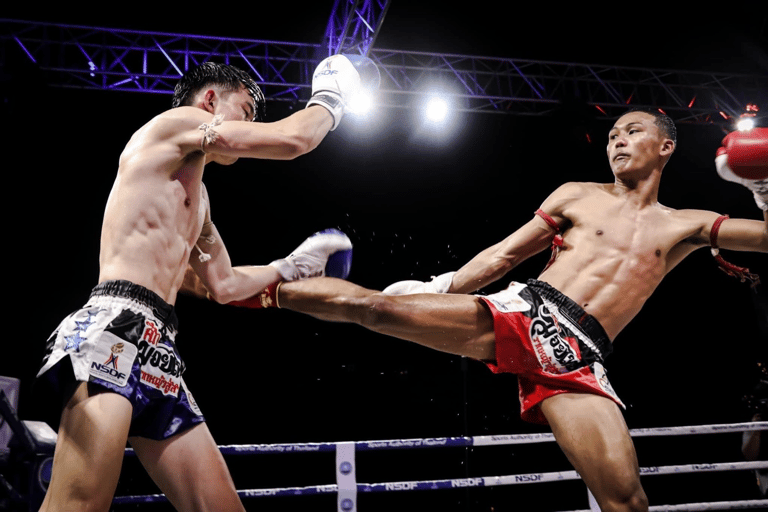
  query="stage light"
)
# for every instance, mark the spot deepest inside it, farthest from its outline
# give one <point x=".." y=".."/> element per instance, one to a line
<point x="745" y="124"/>
<point x="361" y="104"/>
<point x="748" y="119"/>
<point x="437" y="115"/>
<point x="436" y="109"/>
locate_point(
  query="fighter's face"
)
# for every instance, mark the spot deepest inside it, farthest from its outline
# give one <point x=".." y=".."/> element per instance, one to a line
<point x="236" y="105"/>
<point x="634" y="143"/>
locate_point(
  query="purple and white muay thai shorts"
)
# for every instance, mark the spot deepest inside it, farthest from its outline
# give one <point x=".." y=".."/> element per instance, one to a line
<point x="123" y="341"/>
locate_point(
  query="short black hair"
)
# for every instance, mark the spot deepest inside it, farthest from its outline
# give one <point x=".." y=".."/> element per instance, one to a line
<point x="664" y="123"/>
<point x="226" y="76"/>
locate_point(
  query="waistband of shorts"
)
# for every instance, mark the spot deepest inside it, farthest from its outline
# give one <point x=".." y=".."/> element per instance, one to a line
<point x="566" y="306"/>
<point x="128" y="290"/>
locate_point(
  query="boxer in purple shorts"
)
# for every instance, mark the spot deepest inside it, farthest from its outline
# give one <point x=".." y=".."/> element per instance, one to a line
<point x="122" y="340"/>
<point x="157" y="231"/>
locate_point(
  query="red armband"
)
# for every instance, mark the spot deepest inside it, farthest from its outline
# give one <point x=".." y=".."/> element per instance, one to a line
<point x="741" y="273"/>
<point x="557" y="241"/>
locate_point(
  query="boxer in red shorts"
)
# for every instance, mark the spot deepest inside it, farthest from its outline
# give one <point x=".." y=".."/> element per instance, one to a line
<point x="550" y="343"/>
<point x="613" y="244"/>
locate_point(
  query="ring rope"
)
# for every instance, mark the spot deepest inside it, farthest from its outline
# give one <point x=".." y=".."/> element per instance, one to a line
<point x="486" y="481"/>
<point x="441" y="442"/>
<point x="480" y="481"/>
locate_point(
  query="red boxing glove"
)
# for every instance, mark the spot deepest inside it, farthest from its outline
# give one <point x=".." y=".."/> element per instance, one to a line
<point x="743" y="159"/>
<point x="747" y="153"/>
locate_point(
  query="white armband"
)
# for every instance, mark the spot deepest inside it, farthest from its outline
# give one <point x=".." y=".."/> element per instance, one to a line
<point x="209" y="134"/>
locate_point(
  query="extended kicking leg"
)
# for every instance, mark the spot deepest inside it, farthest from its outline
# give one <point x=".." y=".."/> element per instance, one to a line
<point x="457" y="324"/>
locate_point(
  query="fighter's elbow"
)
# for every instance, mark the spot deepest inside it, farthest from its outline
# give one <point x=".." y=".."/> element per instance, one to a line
<point x="294" y="146"/>
<point x="218" y="297"/>
<point x="221" y="292"/>
<point x="503" y="263"/>
<point x="293" y="143"/>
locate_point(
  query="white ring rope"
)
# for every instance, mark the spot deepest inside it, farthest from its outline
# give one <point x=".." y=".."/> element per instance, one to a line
<point x="347" y="486"/>
<point x="437" y="442"/>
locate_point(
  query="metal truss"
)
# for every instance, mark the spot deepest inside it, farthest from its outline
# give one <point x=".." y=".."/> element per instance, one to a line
<point x="151" y="62"/>
<point x="353" y="26"/>
<point x="502" y="85"/>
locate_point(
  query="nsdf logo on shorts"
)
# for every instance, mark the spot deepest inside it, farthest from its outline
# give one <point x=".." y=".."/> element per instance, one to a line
<point x="112" y="359"/>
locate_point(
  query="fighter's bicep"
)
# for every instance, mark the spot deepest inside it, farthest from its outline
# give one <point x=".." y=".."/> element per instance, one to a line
<point x="531" y="238"/>
<point x="238" y="139"/>
<point x="743" y="235"/>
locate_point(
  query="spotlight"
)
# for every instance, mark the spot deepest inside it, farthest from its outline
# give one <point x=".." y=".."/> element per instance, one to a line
<point x="361" y="104"/>
<point x="747" y="119"/>
<point x="745" y="124"/>
<point x="436" y="110"/>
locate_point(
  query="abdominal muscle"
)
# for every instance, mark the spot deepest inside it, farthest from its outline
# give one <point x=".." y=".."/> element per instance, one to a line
<point x="610" y="285"/>
<point x="149" y="229"/>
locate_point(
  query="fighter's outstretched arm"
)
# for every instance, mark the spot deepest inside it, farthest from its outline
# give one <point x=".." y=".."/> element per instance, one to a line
<point x="533" y="237"/>
<point x="286" y="139"/>
<point x="496" y="261"/>
<point x="744" y="235"/>
<point x="335" y="83"/>
<point x="215" y="278"/>
<point x="210" y="273"/>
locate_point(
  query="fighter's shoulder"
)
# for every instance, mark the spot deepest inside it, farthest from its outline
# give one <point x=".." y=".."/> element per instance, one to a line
<point x="697" y="224"/>
<point x="179" y="119"/>
<point x="178" y="126"/>
<point x="690" y="215"/>
<point x="575" y="190"/>
<point x="560" y="204"/>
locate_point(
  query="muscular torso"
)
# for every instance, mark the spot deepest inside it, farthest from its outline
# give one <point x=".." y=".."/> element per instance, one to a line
<point x="155" y="210"/>
<point x="615" y="253"/>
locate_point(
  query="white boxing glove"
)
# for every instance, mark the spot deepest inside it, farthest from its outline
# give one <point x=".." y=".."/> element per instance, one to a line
<point x="439" y="284"/>
<point x="311" y="257"/>
<point x="338" y="79"/>
<point x="334" y="82"/>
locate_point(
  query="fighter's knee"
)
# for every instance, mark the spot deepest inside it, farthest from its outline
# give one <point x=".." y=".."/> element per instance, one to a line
<point x="83" y="498"/>
<point x="639" y="502"/>
<point x="631" y="500"/>
<point x="636" y="503"/>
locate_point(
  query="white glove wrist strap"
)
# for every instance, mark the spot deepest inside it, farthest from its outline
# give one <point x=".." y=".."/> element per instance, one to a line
<point x="762" y="200"/>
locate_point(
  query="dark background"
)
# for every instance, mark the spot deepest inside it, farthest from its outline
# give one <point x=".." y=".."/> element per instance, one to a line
<point x="415" y="204"/>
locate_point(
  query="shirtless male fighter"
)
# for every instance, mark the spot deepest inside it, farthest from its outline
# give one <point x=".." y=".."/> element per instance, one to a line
<point x="613" y="245"/>
<point x="114" y="363"/>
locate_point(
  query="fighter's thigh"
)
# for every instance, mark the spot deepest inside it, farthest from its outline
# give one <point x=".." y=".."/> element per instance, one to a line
<point x="592" y="433"/>
<point x="89" y="450"/>
<point x="190" y="470"/>
<point x="454" y="323"/>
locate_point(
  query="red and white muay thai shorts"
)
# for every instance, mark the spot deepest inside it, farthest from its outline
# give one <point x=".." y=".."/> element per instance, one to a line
<point x="550" y="343"/>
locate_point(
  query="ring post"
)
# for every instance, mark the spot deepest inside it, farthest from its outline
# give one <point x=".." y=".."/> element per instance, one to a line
<point x="345" y="477"/>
